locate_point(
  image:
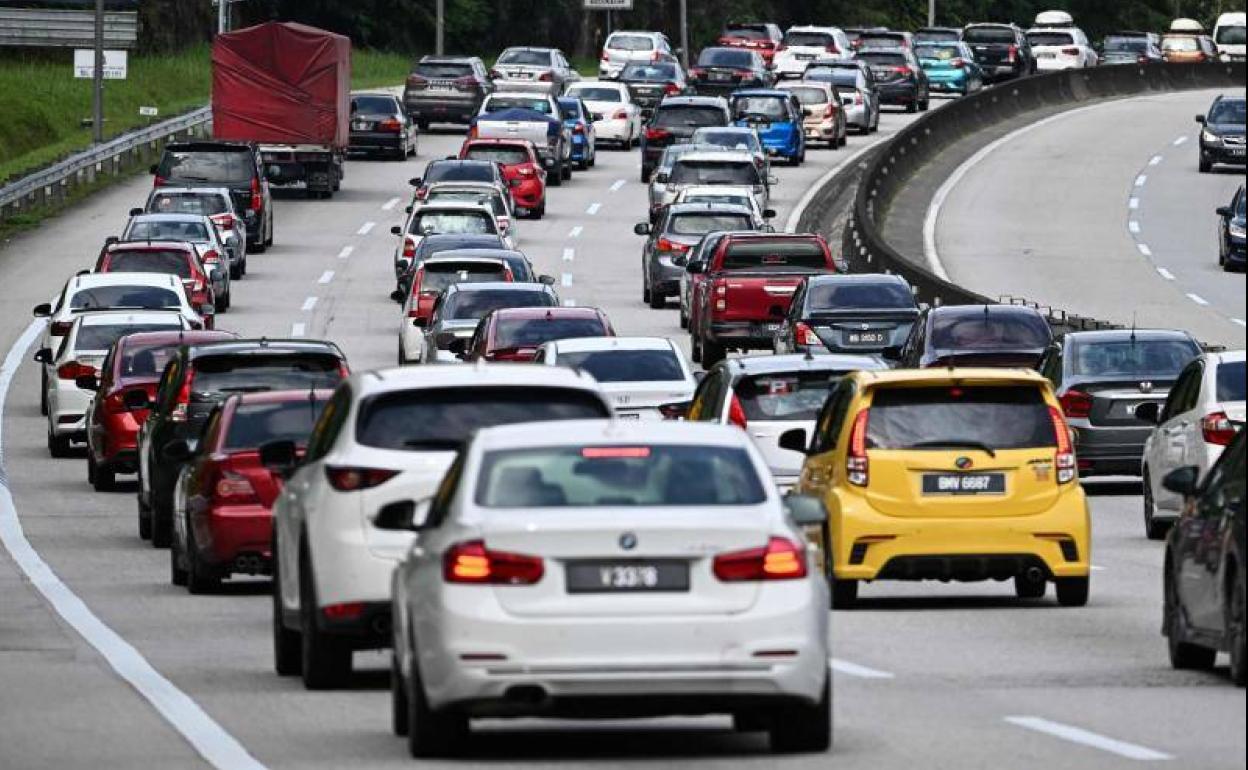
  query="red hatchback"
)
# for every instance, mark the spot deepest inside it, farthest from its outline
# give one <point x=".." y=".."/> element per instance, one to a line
<point x="514" y="334"/>
<point x="223" y="515"/>
<point x="135" y="363"/>
<point x="170" y="257"/>
<point x="526" y="178"/>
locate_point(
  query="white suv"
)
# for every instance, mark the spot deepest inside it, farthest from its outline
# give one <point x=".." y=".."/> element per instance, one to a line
<point x="624" y="47"/>
<point x="802" y="46"/>
<point x="635" y="569"/>
<point x="385" y="435"/>
<point x="1200" y="417"/>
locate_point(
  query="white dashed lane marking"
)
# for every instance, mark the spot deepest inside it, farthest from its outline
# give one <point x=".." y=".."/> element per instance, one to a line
<point x="1199" y="300"/>
<point x="855" y="670"/>
<point x="1133" y="204"/>
<point x="366" y="228"/>
<point x="569" y="303"/>
<point x="569" y="255"/>
<point x="576" y="232"/>
<point x="326" y="277"/>
<point x="1144" y="249"/>
<point x="566" y="280"/>
<point x="1133" y="226"/>
<point x="390" y="204"/>
<point x="346" y="252"/>
<point x="1164" y="273"/>
<point x="1238" y="322"/>
<point x="298" y="330"/>
<point x="593" y="209"/>
<point x="1180" y="140"/>
<point x="1140" y="180"/>
<point x="619" y="185"/>
<point x="309" y="304"/>
<point x="1155" y="160"/>
<point x="1090" y="739"/>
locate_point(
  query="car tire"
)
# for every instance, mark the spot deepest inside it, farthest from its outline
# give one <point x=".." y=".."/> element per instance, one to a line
<point x="326" y="661"/>
<point x="1184" y="656"/>
<point x="43" y="390"/>
<point x="423" y="125"/>
<point x="287" y="646"/>
<point x="540" y="211"/>
<point x="431" y="733"/>
<point x="58" y="446"/>
<point x="1153" y="529"/>
<point x="802" y="728"/>
<point x="567" y="171"/>
<point x="1029" y="589"/>
<point x="695" y="346"/>
<point x="1235" y="630"/>
<point x="145" y="521"/>
<point x="844" y="593"/>
<point x="103" y="478"/>
<point x="656" y="299"/>
<point x="684" y="318"/>
<point x="912" y="107"/>
<point x="200" y="578"/>
<point x="712" y="353"/>
<point x="177" y="572"/>
<point x="162" y="526"/>
<point x="1073" y="592"/>
<point x="555" y="177"/>
<point x="1205" y="166"/>
<point x="399" y="714"/>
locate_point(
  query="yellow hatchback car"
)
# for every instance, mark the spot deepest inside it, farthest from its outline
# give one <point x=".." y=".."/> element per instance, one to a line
<point x="947" y="474"/>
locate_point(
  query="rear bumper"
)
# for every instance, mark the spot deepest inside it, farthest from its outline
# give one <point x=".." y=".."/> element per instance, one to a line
<point x="443" y="109"/>
<point x="747" y="335"/>
<point x="529" y="194"/>
<point x="899" y="93"/>
<point x="1109" y="451"/>
<point x="955" y="80"/>
<point x="225" y="533"/>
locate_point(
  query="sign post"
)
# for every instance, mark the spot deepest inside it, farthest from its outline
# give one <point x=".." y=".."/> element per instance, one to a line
<point x="610" y="6"/>
<point x="97" y="92"/>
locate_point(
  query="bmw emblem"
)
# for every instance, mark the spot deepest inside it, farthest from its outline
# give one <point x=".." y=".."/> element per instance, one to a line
<point x="628" y="541"/>
<point x="1146" y="387"/>
<point x="964" y="463"/>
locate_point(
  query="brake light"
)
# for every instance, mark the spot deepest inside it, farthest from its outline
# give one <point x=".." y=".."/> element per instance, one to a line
<point x="1217" y="429"/>
<point x="805" y="335"/>
<point x="736" y="413"/>
<point x="256" y="202"/>
<point x="780" y="559"/>
<point x="696" y="72"/>
<point x="1065" y="459"/>
<point x="344" y="371"/>
<point x="417" y="80"/>
<point x="466" y="80"/>
<point x="666" y="245"/>
<point x="472" y="562"/>
<point x="579" y="128"/>
<point x="347" y="479"/>
<point x="671" y="89"/>
<point x="858" y="97"/>
<point x="958" y="63"/>
<point x="830" y="110"/>
<point x="392" y="125"/>
<point x="857" y="465"/>
<point x="1071" y="51"/>
<point x="903" y="70"/>
<point x="409" y="247"/>
<point x="211" y="256"/>
<point x="1012" y="53"/>
<point x="657" y="134"/>
<point x="159" y="181"/>
<point x="546" y="77"/>
<point x="832" y="48"/>
<point x="72" y="370"/>
<point x="604" y="57"/>
<point x="183" y="403"/>
<point x="61" y="328"/>
<point x="474" y="132"/>
<point x="1076" y="404"/>
<point x="233" y="489"/>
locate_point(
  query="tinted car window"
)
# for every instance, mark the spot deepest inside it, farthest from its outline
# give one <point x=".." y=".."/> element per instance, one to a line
<point x="172" y="262"/>
<point x="206" y="166"/>
<point x="475" y="304"/>
<point x="701" y="224"/>
<point x="1231" y="35"/>
<point x="714" y="172"/>
<point x="1231" y="381"/>
<point x="591" y="94"/>
<point x="726" y="57"/>
<point x="988" y="35"/>
<point x="506" y="154"/>
<point x="251" y="373"/>
<point x="100" y="337"/>
<point x="453" y="222"/>
<point x="786" y="396"/>
<point x="986" y="331"/>
<point x="501" y="103"/>
<point x="445" y="418"/>
<point x="384" y="104"/>
<point x="168" y="231"/>
<point x="884" y="59"/>
<point x="1158" y="358"/>
<point x="255" y="425"/>
<point x="618" y="476"/>
<point x="1228" y="111"/>
<point x="1050" y="38"/>
<point x="535" y="58"/>
<point x="532" y="332"/>
<point x="188" y="203"/>
<point x="459" y="172"/>
<point x="443" y="70"/>
<point x="808" y="96"/>
<point x="878" y="296"/>
<point x="1000" y="417"/>
<point x="780" y="255"/>
<point x="146" y="297"/>
<point x="1130" y="44"/>
<point x="630" y="43"/>
<point x="938" y="52"/>
<point x="689" y="116"/>
<point x="773" y="107"/>
<point x="626" y="365"/>
<point x="1180" y="43"/>
<point x="809" y="39"/>
<point x="146" y="361"/>
<point x="748" y="32"/>
<point x="640" y="71"/>
<point x="438" y="277"/>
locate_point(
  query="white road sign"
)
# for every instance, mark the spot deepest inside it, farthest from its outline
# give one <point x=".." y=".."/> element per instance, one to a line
<point x="114" y="64"/>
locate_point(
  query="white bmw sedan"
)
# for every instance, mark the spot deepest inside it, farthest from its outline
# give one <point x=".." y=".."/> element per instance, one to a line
<point x="609" y="569"/>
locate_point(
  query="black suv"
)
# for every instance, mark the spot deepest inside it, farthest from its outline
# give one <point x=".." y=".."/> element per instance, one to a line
<point x="1205" y="552"/>
<point x="233" y="165"/>
<point x="195" y="381"/>
<point x="1001" y="50"/>
<point x="997" y="336"/>
<point x="899" y="78"/>
<point x="1222" y="138"/>
<point x="1231" y="222"/>
<point x="446" y="88"/>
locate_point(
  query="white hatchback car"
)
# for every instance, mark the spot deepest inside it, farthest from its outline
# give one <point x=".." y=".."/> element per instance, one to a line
<point x="603" y="567"/>
<point x="617" y="118"/>
<point x="80" y="355"/>
<point x="1200" y="417"/>
<point x="385" y="435"/>
<point x="641" y="375"/>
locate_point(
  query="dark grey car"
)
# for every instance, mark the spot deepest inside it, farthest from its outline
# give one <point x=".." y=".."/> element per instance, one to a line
<point x="863" y="313"/>
<point x="446" y="88"/>
<point x="679" y="229"/>
<point x="461" y="307"/>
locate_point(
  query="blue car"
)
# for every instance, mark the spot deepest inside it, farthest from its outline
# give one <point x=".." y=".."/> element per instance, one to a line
<point x="580" y="121"/>
<point x="777" y="117"/>
<point x="950" y="67"/>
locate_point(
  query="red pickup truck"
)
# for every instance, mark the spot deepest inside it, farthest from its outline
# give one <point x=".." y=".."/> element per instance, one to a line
<point x="741" y="293"/>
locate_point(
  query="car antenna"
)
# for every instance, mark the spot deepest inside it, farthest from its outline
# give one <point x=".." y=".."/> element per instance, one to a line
<point x="810" y="356"/>
<point x="1133" y="314"/>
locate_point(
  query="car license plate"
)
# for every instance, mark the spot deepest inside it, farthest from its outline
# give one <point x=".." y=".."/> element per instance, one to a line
<point x="1125" y="409"/>
<point x="628" y="415"/>
<point x="1235" y="150"/>
<point x="964" y="483"/>
<point x="441" y="89"/>
<point x="805" y="57"/>
<point x="720" y="76"/>
<point x="593" y="577"/>
<point x="866" y="338"/>
<point x="361" y="125"/>
<point x="1046" y="55"/>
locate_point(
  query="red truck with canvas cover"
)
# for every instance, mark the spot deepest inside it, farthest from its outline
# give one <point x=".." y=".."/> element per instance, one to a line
<point x="286" y="88"/>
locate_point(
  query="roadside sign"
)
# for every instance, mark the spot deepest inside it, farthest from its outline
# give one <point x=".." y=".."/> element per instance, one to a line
<point x="608" y="5"/>
<point x="148" y="112"/>
<point x="114" y="64"/>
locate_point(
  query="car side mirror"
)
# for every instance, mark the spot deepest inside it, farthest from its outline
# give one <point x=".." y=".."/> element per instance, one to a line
<point x="769" y="214"/>
<point x="1224" y="212"/>
<point x="43" y="356"/>
<point x="1182" y="481"/>
<point x="110" y="240"/>
<point x="695" y="268"/>
<point x="403" y="516"/>
<point x="891" y="353"/>
<point x="680" y="260"/>
<point x="795" y="440"/>
<point x="546" y="280"/>
<point x="88" y="382"/>
<point x="641" y="228"/>
<point x="1149" y="412"/>
<point x="134" y="212"/>
<point x="42" y="311"/>
<point x="806" y="510"/>
<point x="397" y="296"/>
<point x="396" y="230"/>
<point x="134" y="400"/>
<point x="661" y="178"/>
<point x="1200" y="119"/>
<point x="415" y="181"/>
<point x="409" y="209"/>
<point x="420" y="323"/>
<point x="807" y="112"/>
<point x="177" y="451"/>
<point x="458" y="346"/>
<point x="281" y="457"/>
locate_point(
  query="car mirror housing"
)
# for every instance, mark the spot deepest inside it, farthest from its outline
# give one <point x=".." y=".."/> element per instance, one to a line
<point x="87" y="382"/>
<point x="1182" y="481"/>
<point x="794" y="440"/>
<point x="42" y="311"/>
<point x="43" y="356"/>
<point x="397" y="296"/>
<point x="1200" y="119"/>
<point x="457" y="346"/>
<point x="281" y="457"/>
<point x="546" y="280"/>
<point x="177" y="451"/>
<point x="403" y="516"/>
<point x="135" y="399"/>
<point x="805" y="510"/>
<point x="641" y="228"/>
<point x="1224" y="212"/>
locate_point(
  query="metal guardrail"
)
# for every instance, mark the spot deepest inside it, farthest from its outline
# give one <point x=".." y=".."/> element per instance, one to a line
<point x="34" y="27"/>
<point x="128" y="151"/>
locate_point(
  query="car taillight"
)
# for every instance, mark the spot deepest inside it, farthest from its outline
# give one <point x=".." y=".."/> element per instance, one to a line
<point x="832" y="48"/>
<point x="805" y="335"/>
<point x="666" y="245"/>
<point x="958" y="63"/>
<point x="344" y="371"/>
<point x="858" y="97"/>
<point x="72" y="370"/>
<point x="904" y="70"/>
<point x="417" y="80"/>
<point x="657" y="134"/>
<point x="1217" y="429"/>
<point x="1071" y="51"/>
<point x="183" y="403"/>
<point x="857" y="465"/>
<point x="211" y="256"/>
<point x="390" y="125"/>
<point x="346" y="479"/>
<point x="830" y="110"/>
<point x="256" y="201"/>
<point x="1141" y="59"/>
<point x="579" y="128"/>
<point x="159" y="181"/>
<point x="696" y="72"/>
<point x="409" y="247"/>
<point x="736" y="413"/>
<point x="233" y="489"/>
<point x="1012" y="53"/>
<point x="546" y="77"/>
<point x="193" y="285"/>
<point x="61" y="328"/>
<point x="472" y="562"/>
<point x="780" y="559"/>
<point x="1076" y="403"/>
<point x="1065" y="459"/>
<point x="223" y="221"/>
<point x="671" y="89"/>
<point x="474" y="132"/>
<point x="605" y="57"/>
<point x="466" y="80"/>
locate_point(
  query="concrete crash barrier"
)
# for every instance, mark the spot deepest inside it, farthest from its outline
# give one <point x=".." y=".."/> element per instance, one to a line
<point x="883" y="173"/>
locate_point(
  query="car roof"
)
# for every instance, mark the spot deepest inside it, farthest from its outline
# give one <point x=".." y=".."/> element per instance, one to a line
<point x="949" y="376"/>
<point x="280" y="396"/>
<point x="474" y="142"/>
<point x="471" y="162"/>
<point x="451" y="206"/>
<point x="835" y="362"/>
<point x="91" y="280"/>
<point x="540" y="49"/>
<point x="111" y="317"/>
<point x="811" y="28"/>
<point x="726" y="154"/>
<point x="1113" y="335"/>
<point x="572" y="433"/>
<point x="1226" y="356"/>
<point x="251" y="347"/>
<point x="160" y="216"/>
<point x="707" y="207"/>
<point x="546" y="313"/>
<point x="438" y="59"/>
<point x="519" y="94"/>
<point x="537" y="288"/>
<point x="858" y="278"/>
<point x="586" y="344"/>
<point x="142" y="244"/>
<point x="208" y="146"/>
<point x="189" y="191"/>
<point x="468" y="240"/>
<point x="187" y="337"/>
<point x="483" y="253"/>
<point x="996" y="310"/>
<point x="695" y="101"/>
<point x="774" y="92"/>
<point x="451" y="258"/>
<point x="475" y="375"/>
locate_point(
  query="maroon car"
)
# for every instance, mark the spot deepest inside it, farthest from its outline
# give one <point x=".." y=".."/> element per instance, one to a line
<point x="515" y="334"/>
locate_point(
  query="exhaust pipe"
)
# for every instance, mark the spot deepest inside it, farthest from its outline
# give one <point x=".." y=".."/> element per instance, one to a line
<point x="528" y="694"/>
<point x="1034" y="575"/>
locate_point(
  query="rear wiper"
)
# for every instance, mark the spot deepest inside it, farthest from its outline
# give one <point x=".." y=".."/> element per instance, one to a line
<point x="245" y="389"/>
<point x="433" y="443"/>
<point x="956" y="444"/>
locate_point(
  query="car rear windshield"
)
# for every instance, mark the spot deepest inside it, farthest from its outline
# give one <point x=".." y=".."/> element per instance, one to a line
<point x="726" y="57"/>
<point x="880" y="58"/>
<point x="256" y="373"/>
<point x="102" y="337"/>
<point x="375" y="104"/>
<point x="1231" y="35"/>
<point x="172" y="262"/>
<point x="689" y="116"/>
<point x="714" y="172"/>
<point x="202" y="204"/>
<point x="1228" y="111"/>
<point x="1131" y="44"/>
<point x="479" y="197"/>
<point x="989" y="331"/>
<point x="254" y="425"/>
<point x="104" y="297"/>
<point x="443" y="70"/>
<point x="841" y="78"/>
<point x="809" y="40"/>
<point x="157" y="230"/>
<point x="453" y="222"/>
<point x="444" y="418"/>
<point x="436" y="244"/>
<point x="502" y="103"/>
<point x="459" y="172"/>
<point x="853" y="295"/>
<point x="775" y="255"/>
<point x="808" y="96"/>
<point x="525" y="58"/>
<point x="228" y="166"/>
<point x="146" y="361"/>
<point x="785" y="395"/>
<point x="936" y="36"/>
<point x="938" y="52"/>
<point x="877" y="42"/>
<point x="989" y="35"/>
<point x="626" y="365"/>
<point x="1180" y="43"/>
<point x="597" y="94"/>
<point x="701" y="224"/>
<point x="1154" y="358"/>
<point x="1231" y="381"/>
<point x="729" y="199"/>
<point x="437" y="277"/>
<point x="759" y="106"/>
<point x="630" y="43"/>
<point x="649" y="72"/>
<point x="1050" y="38"/>
<point x="604" y="477"/>
<point x="570" y="110"/>
<point x="746" y="31"/>
<point x="732" y="138"/>
<point x="473" y="305"/>
<point x="960" y="417"/>
<point x="533" y="332"/>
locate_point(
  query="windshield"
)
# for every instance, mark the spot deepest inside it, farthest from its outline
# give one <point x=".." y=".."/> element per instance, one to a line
<point x="1229" y="111"/>
<point x="570" y="109"/>
<point x="460" y="172"/>
<point x="254" y="425"/>
<point x="726" y="57"/>
<point x="252" y="373"/>
<point x="626" y="365"/>
<point x="808" y="96"/>
<point x="701" y="224"/>
<point x="508" y="155"/>
<point x="713" y="172"/>
<point x="775" y="255"/>
<point x="1162" y="359"/>
<point x="1231" y="381"/>
<point x="936" y="35"/>
<point x="104" y="297"/>
<point x="649" y="72"/>
<point x="206" y="166"/>
<point x="988" y="35"/>
<point x="437" y="277"/>
<point x="689" y="117"/>
<point x="593" y="94"/>
<point x="453" y="222"/>
<point x="877" y="42"/>
<point x="502" y="103"/>
<point x="771" y="107"/>
<point x="444" y="70"/>
<point x="630" y="43"/>
<point x="732" y="139"/>
<point x="727" y="199"/>
<point x="534" y="332"/>
<point x="942" y="418"/>
<point x="171" y="262"/>
<point x="157" y="230"/>
<point x="841" y="78"/>
<point x="978" y="330"/>
<point x="884" y="59"/>
<point x="785" y="396"/>
<point x="938" y="52"/>
<point x="1180" y="43"/>
<point x="374" y="104"/>
<point x="1050" y="38"/>
<point x="435" y="418"/>
<point x="1128" y="44"/>
<point x="1231" y="35"/>
<point x="146" y="361"/>
<point x="847" y="295"/>
<point x="101" y="337"/>
<point x="745" y="33"/>
<point x="436" y="244"/>
<point x="526" y="58"/>
<point x="202" y="204"/>
<point x="810" y="40"/>
<point x="489" y="198"/>
<point x="473" y="305"/>
<point x="603" y="477"/>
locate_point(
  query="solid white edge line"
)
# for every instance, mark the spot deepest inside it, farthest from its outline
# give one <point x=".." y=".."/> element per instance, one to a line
<point x="209" y="739"/>
<point x="790" y="224"/>
<point x="855" y="670"/>
<point x="390" y="204"/>
<point x="1090" y="739"/>
<point x="1199" y="300"/>
<point x="309" y="304"/>
<point x="366" y="228"/>
<point x="326" y="276"/>
<point x="1164" y="273"/>
<point x="346" y="252"/>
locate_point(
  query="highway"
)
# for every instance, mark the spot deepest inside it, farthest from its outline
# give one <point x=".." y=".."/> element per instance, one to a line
<point x="958" y="676"/>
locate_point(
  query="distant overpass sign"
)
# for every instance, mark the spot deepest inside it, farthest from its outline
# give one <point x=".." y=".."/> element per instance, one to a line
<point x="38" y="28"/>
<point x="608" y="5"/>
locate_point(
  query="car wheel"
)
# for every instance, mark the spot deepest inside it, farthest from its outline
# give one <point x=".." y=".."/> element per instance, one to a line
<point x="162" y="525"/>
<point x="399" y="715"/>
<point x="287" y="646"/>
<point x="844" y="593"/>
<point x="645" y="289"/>
<point x="423" y="125"/>
<point x="326" y="661"/>
<point x="1073" y="592"/>
<point x="567" y="171"/>
<point x="684" y="318"/>
<point x="540" y="212"/>
<point x="236" y="271"/>
<point x="58" y="446"/>
<point x="200" y="578"/>
<point x="177" y="567"/>
<point x="555" y="177"/>
<point x="644" y="179"/>
<point x="912" y="107"/>
<point x="1025" y="588"/>
<point x="268" y="239"/>
<point x="657" y="299"/>
<point x="103" y="478"/>
<point x="695" y="345"/>
<point x="1184" y="655"/>
<point x="712" y="353"/>
<point x="1235" y="632"/>
<point x="431" y="733"/>
<point x="145" y="521"/>
<point x="1205" y="166"/>
<point x="43" y="390"/>
<point x="1153" y="529"/>
<point x="804" y="728"/>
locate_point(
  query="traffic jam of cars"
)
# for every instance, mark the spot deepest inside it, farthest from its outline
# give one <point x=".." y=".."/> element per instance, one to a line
<point x="542" y="515"/>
